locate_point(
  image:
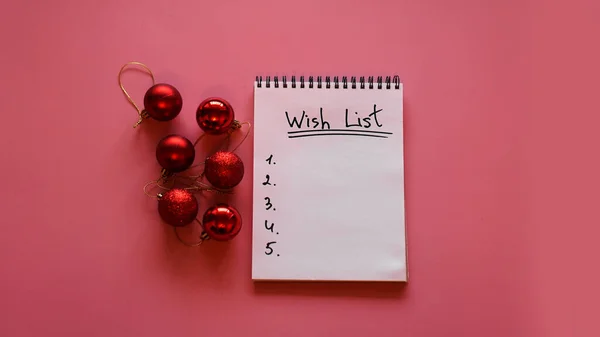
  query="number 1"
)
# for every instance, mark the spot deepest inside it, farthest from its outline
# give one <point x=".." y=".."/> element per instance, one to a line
<point x="270" y="160"/>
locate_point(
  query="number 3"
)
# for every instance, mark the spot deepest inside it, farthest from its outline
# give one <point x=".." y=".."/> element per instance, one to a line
<point x="268" y="203"/>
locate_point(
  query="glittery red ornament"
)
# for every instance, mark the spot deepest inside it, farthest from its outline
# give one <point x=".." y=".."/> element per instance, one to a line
<point x="224" y="169"/>
<point x="177" y="207"/>
<point x="175" y="153"/>
<point x="215" y="116"/>
<point x="162" y="102"/>
<point x="222" y="222"/>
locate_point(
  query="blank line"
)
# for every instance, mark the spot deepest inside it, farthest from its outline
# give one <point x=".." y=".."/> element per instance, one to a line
<point x="338" y="130"/>
<point x="337" y="134"/>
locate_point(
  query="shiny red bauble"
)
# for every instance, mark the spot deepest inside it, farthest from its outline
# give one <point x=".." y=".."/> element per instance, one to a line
<point x="175" y="153"/>
<point x="222" y="222"/>
<point x="215" y="116"/>
<point x="177" y="207"/>
<point x="224" y="169"/>
<point x="162" y="102"/>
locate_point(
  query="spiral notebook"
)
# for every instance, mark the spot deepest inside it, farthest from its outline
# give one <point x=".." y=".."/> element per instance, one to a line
<point x="328" y="179"/>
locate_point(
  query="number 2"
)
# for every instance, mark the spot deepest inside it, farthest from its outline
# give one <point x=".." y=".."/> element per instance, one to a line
<point x="267" y="181"/>
<point x="269" y="249"/>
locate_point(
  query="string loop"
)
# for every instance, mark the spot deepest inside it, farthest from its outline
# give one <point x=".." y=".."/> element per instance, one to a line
<point x="237" y="125"/>
<point x="203" y="237"/>
<point x="141" y="113"/>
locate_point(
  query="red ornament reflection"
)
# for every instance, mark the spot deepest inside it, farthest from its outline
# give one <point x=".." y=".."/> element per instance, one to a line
<point x="162" y="102"/>
<point x="222" y="222"/>
<point x="175" y="153"/>
<point x="215" y="116"/>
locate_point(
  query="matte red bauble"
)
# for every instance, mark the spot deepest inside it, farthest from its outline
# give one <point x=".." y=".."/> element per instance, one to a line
<point x="215" y="116"/>
<point x="177" y="207"/>
<point x="162" y="102"/>
<point x="224" y="169"/>
<point x="222" y="222"/>
<point x="175" y="153"/>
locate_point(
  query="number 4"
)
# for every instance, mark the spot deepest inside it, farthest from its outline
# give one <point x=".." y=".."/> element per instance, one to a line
<point x="269" y="228"/>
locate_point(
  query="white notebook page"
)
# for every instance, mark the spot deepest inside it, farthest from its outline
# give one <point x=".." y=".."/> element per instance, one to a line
<point x="328" y="184"/>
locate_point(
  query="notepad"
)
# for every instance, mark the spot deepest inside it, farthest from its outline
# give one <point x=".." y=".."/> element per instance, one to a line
<point x="328" y="197"/>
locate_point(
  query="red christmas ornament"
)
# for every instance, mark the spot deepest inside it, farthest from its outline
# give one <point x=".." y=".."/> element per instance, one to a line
<point x="177" y="207"/>
<point x="222" y="222"/>
<point x="224" y="169"/>
<point x="175" y="153"/>
<point x="162" y="102"/>
<point x="215" y="116"/>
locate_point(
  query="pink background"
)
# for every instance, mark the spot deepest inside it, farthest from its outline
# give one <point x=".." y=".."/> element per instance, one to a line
<point x="501" y="166"/>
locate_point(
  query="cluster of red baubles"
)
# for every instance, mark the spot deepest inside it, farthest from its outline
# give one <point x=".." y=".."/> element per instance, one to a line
<point x="224" y="169"/>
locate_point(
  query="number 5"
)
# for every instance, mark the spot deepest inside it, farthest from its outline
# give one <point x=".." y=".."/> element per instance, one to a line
<point x="268" y="248"/>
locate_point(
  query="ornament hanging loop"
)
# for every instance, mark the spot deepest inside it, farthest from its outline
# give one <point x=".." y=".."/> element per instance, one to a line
<point x="203" y="237"/>
<point x="141" y="113"/>
<point x="237" y="125"/>
<point x="156" y="184"/>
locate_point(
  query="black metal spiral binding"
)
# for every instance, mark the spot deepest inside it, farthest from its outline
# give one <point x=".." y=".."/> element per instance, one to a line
<point x="362" y="83"/>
